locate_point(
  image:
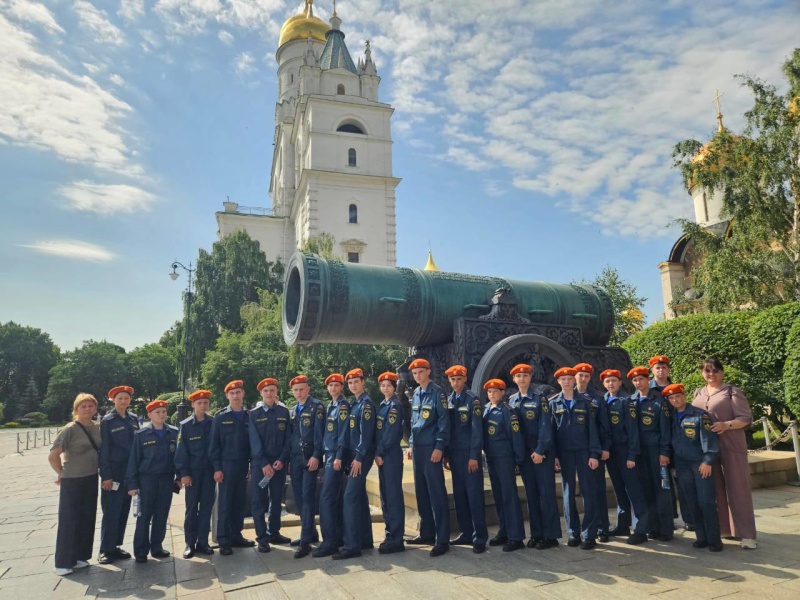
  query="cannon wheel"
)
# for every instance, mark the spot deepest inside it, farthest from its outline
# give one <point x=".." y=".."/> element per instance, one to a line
<point x="508" y="348"/>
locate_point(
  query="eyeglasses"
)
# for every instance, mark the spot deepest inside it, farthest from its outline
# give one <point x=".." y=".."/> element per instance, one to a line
<point x="711" y="371"/>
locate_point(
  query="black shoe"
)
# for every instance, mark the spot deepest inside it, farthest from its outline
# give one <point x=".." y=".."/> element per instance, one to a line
<point x="277" y="538"/>
<point x="715" y="547"/>
<point x="303" y="550"/>
<point x="573" y="542"/>
<point x="512" y="545"/>
<point x="295" y="543"/>
<point x="588" y="545"/>
<point x="667" y="537"/>
<point x="204" y="549"/>
<point x="264" y="547"/>
<point x="688" y="527"/>
<point x="545" y="544"/>
<point x="225" y="550"/>
<point x="636" y="539"/>
<point x="620" y="531"/>
<point x="141" y="559"/>
<point x="421" y="541"/>
<point x="653" y="536"/>
<point x="243" y="543"/>
<point x="479" y="548"/>
<point x="699" y="544"/>
<point x="160" y="553"/>
<point x="105" y="558"/>
<point x="121" y="554"/>
<point x="602" y="537"/>
<point x="322" y="552"/>
<point x="439" y="549"/>
<point x="344" y="554"/>
<point x="391" y="548"/>
<point x="461" y="540"/>
<point x="188" y="552"/>
<point x="498" y="540"/>
<point x="532" y="543"/>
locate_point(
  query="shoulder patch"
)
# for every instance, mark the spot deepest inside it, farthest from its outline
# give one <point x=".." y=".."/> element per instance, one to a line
<point x="706" y="422"/>
<point x="665" y="409"/>
<point x="367" y="413"/>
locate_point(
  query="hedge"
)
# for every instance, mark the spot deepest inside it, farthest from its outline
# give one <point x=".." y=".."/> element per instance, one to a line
<point x="768" y="336"/>
<point x="791" y="369"/>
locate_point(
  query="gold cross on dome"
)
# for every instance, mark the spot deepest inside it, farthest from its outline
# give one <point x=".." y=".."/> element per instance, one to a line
<point x="717" y="96"/>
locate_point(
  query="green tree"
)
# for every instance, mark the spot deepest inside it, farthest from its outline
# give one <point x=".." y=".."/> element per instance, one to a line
<point x="628" y="315"/>
<point x="791" y="369"/>
<point x="152" y="370"/>
<point x="322" y="244"/>
<point x="25" y="353"/>
<point x="31" y="400"/>
<point x="758" y="177"/>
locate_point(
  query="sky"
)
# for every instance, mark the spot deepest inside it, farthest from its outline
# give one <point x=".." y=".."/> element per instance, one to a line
<point x="533" y="137"/>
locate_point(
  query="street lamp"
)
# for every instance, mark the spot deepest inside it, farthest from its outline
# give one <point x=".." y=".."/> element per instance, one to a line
<point x="183" y="405"/>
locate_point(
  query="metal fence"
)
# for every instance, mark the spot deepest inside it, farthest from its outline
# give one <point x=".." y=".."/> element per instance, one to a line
<point x="37" y="438"/>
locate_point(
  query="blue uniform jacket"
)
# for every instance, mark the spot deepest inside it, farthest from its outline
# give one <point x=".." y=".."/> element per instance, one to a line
<point x="502" y="434"/>
<point x="230" y="438"/>
<point x="430" y="419"/>
<point x="389" y="426"/>
<point x="536" y="421"/>
<point x="361" y="438"/>
<point x="692" y="438"/>
<point x="151" y="454"/>
<point x="334" y="442"/>
<point x="575" y="429"/>
<point x="659" y="388"/>
<point x="466" y="423"/>
<point x="308" y="429"/>
<point x="116" y="434"/>
<point x="601" y="416"/>
<point x="654" y="421"/>
<point x="269" y="435"/>
<point x="623" y="418"/>
<point x="193" y="439"/>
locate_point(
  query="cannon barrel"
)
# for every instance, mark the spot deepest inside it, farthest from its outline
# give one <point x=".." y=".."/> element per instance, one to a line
<point x="331" y="301"/>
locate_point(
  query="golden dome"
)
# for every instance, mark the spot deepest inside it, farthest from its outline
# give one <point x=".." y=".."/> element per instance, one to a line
<point x="299" y="26"/>
<point x="431" y="266"/>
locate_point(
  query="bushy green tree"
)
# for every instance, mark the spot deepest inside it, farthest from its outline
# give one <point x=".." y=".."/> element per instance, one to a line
<point x="25" y="353"/>
<point x="31" y="399"/>
<point x="628" y="305"/>
<point x="791" y="370"/>
<point x="152" y="370"/>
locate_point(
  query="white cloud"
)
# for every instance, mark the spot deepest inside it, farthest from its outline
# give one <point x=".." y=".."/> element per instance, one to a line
<point x="107" y="199"/>
<point x="131" y="10"/>
<point x="244" y="64"/>
<point x="96" y="21"/>
<point x="116" y="79"/>
<point x="74" y="249"/>
<point x="226" y="37"/>
<point x="31" y="12"/>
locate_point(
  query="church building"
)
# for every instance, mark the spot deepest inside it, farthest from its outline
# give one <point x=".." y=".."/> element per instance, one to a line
<point x="332" y="159"/>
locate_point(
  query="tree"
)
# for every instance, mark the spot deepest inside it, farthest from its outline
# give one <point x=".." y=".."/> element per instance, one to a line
<point x="31" y="400"/>
<point x="152" y="370"/>
<point x="758" y="176"/>
<point x="628" y="316"/>
<point x="322" y="245"/>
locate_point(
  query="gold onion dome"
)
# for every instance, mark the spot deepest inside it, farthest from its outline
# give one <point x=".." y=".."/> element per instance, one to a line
<point x="431" y="266"/>
<point x="299" y="26"/>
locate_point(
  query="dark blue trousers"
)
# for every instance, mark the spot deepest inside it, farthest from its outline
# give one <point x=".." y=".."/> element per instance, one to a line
<point x="600" y="498"/>
<point x="232" y="497"/>
<point x="628" y="490"/>
<point x="576" y="463"/>
<point x="267" y="501"/>
<point x="304" y="488"/>
<point x="155" y="496"/>
<point x="503" y="478"/>
<point x="434" y="513"/>
<point x="659" y="501"/>
<point x="390" y="476"/>
<point x="468" y="497"/>
<point x="330" y="505"/>
<point x="540" y="491"/>
<point x="700" y="495"/>
<point x="199" y="503"/>
<point x="356" y="520"/>
<point x="116" y="507"/>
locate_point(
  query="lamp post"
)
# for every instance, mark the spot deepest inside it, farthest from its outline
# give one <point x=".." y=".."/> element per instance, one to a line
<point x="183" y="405"/>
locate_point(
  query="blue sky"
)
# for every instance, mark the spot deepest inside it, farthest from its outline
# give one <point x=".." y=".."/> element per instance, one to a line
<point x="533" y="137"/>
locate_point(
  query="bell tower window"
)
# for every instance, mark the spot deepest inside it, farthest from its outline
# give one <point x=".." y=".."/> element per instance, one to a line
<point x="340" y="89"/>
<point x="351" y="157"/>
<point x="352" y="215"/>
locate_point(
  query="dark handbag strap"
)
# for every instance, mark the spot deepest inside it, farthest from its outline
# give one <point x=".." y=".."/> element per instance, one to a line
<point x="88" y="435"/>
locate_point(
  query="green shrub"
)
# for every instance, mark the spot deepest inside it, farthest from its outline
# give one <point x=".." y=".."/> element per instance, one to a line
<point x="36" y="416"/>
<point x="23" y="422"/>
<point x="791" y="370"/>
<point x="768" y="333"/>
<point x="2" y="412"/>
<point x="12" y="424"/>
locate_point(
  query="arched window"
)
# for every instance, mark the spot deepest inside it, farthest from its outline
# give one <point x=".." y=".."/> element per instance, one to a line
<point x="350" y="128"/>
<point x="351" y="157"/>
<point x="340" y="89"/>
<point x="353" y="216"/>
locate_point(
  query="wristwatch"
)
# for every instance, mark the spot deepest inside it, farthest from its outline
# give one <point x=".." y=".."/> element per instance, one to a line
<point x="730" y="425"/>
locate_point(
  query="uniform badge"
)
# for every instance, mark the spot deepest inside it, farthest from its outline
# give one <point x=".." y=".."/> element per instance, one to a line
<point x="342" y="415"/>
<point x="463" y="417"/>
<point x="352" y="422"/>
<point x="492" y="430"/>
<point x="320" y="412"/>
<point x="690" y="432"/>
<point x="306" y="421"/>
<point x="172" y="447"/>
<point x="633" y="412"/>
<point x="379" y="424"/>
<point x="615" y="419"/>
<point x="545" y="406"/>
<point x="647" y="420"/>
<point x="392" y="418"/>
<point x="580" y="419"/>
<point x="530" y="415"/>
<point x="443" y="399"/>
<point x="281" y="426"/>
<point x="367" y="414"/>
<point x="426" y="413"/>
<point x="515" y="426"/>
<point x="330" y="426"/>
<point x="665" y="410"/>
<point x="477" y="410"/>
<point x="706" y="423"/>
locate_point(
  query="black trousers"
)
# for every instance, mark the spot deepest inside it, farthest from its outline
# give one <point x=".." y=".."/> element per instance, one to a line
<point x="77" y="513"/>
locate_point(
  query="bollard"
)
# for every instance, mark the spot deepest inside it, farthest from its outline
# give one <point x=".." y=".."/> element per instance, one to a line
<point x="796" y="444"/>
<point x="765" y="425"/>
<point x="18" y="443"/>
<point x="27" y="440"/>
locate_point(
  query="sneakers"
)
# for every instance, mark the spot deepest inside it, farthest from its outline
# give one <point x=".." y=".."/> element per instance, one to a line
<point x="749" y="544"/>
<point x="63" y="572"/>
<point x="81" y="564"/>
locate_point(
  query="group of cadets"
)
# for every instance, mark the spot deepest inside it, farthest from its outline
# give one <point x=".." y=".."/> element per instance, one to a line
<point x="578" y="431"/>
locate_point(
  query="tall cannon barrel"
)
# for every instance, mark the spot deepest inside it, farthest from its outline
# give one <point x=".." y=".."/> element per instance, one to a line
<point x="332" y="301"/>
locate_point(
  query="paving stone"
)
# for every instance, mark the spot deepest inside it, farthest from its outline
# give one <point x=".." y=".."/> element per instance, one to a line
<point x="244" y="569"/>
<point x="434" y="584"/>
<point x="270" y="591"/>
<point x="200" y="589"/>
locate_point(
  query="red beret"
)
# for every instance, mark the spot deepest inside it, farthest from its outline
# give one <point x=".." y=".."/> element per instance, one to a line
<point x="265" y="382"/>
<point x="234" y="385"/>
<point x="200" y="395"/>
<point x="584" y="368"/>
<point x="610" y="373"/>
<point x="673" y="388"/>
<point x="419" y="363"/>
<point x="494" y="384"/>
<point x="659" y="359"/>
<point x="456" y="371"/>
<point x="120" y="388"/>
<point x="156" y="404"/>
<point x="298" y="379"/>
<point x="521" y="368"/>
<point x="638" y="372"/>
<point x="354" y="374"/>
<point x="387" y="376"/>
<point x="565" y="371"/>
<point x="334" y="378"/>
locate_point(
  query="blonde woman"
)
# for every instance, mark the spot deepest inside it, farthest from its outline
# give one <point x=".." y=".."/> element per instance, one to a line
<point x="74" y="458"/>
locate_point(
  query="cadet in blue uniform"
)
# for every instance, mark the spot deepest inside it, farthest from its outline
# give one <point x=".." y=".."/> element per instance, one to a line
<point x="334" y="444"/>
<point x="623" y="416"/>
<point x="116" y="430"/>
<point x="151" y="474"/>
<point x="538" y="471"/>
<point x="430" y="435"/>
<point x="361" y="441"/>
<point x="389" y="458"/>
<point x="307" y="431"/>
<point x="654" y="439"/>
<point x="196" y="474"/>
<point x="583" y="377"/>
<point x="578" y="450"/>
<point x="229" y="452"/>
<point x="268" y="429"/>
<point x="504" y="449"/>
<point x="696" y="448"/>
<point x="463" y="458"/>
